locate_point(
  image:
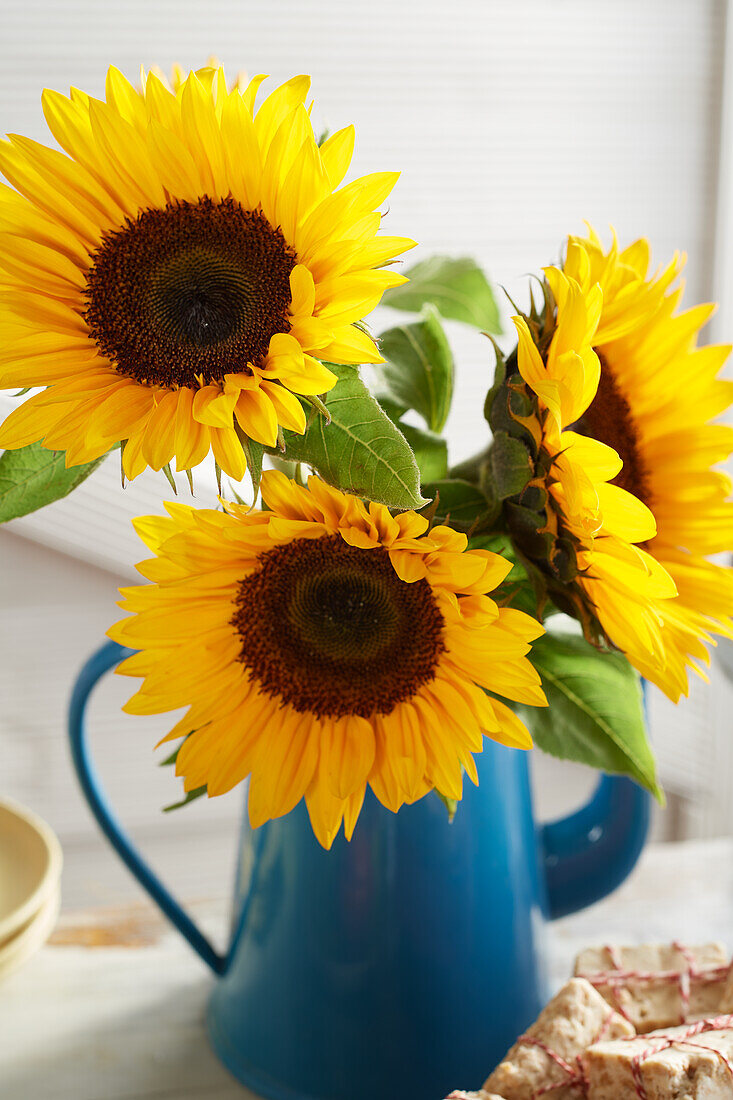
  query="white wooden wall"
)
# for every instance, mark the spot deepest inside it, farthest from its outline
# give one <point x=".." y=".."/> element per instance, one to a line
<point x="511" y="120"/>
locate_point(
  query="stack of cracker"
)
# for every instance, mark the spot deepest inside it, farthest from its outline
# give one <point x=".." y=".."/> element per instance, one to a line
<point x="659" y="985"/>
<point x="549" y="1056"/>
<point x="693" y="1062"/>
<point x="653" y="1022"/>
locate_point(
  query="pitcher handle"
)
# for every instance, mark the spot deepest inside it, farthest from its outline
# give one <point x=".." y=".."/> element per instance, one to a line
<point x="589" y="853"/>
<point x="102" y="661"/>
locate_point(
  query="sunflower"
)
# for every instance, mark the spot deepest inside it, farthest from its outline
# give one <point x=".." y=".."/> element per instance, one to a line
<point x="580" y="534"/>
<point x="657" y="398"/>
<point x="321" y="646"/>
<point x="177" y="278"/>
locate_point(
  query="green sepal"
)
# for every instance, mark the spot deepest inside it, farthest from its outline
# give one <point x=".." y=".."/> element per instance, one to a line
<point x="253" y="453"/>
<point x="450" y="804"/>
<point x="528" y="528"/>
<point x="191" y="796"/>
<point x="511" y="467"/>
<point x="511" y="410"/>
<point x="535" y="498"/>
<point x="319" y="405"/>
<point x="500" y="373"/>
<point x="520" y="404"/>
<point x="169" y="477"/>
<point x="173" y="757"/>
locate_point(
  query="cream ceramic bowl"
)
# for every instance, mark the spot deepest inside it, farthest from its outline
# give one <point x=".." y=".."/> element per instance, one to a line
<point x="30" y="870"/>
<point x="19" y="948"/>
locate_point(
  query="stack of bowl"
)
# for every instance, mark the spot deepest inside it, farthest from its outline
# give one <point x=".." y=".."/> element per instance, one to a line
<point x="30" y="885"/>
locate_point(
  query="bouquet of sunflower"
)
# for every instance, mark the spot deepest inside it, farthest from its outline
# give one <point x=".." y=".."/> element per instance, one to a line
<point x="189" y="277"/>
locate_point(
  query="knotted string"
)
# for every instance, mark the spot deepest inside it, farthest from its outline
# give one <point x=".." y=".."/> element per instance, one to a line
<point x="617" y="979"/>
<point x="575" y="1075"/>
<point x="660" y="1042"/>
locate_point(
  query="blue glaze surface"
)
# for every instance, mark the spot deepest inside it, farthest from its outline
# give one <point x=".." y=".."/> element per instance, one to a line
<point x="406" y="962"/>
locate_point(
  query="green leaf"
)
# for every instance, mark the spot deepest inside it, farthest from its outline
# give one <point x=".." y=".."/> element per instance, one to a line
<point x="33" y="476"/>
<point x="360" y="451"/>
<point x="430" y="451"/>
<point x="429" y="448"/>
<point x="418" y="368"/>
<point x="290" y="469"/>
<point x="462" y="503"/>
<point x="596" y="711"/>
<point x="457" y="288"/>
<point x="395" y="410"/>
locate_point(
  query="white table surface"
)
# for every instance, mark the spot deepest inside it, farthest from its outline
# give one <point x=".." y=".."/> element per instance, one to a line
<point x="112" y="1007"/>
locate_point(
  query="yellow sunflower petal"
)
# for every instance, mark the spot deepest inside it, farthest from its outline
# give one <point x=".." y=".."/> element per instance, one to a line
<point x="228" y="452"/>
<point x="622" y="402"/>
<point x="289" y="411"/>
<point x="336" y="153"/>
<point x="349" y="754"/>
<point x="192" y="246"/>
<point x="309" y="663"/>
<point x="283" y="769"/>
<point x="255" y="412"/>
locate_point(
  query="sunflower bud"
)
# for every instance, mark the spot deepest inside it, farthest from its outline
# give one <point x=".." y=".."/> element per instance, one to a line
<point x="520" y="469"/>
<point x="579" y="534"/>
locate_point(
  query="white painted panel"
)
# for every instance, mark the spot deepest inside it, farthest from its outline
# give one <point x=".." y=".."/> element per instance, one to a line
<point x="54" y="612"/>
<point x="510" y="121"/>
<point x="94" y="523"/>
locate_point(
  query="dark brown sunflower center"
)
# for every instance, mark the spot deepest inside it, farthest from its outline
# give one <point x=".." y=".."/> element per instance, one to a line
<point x="332" y="630"/>
<point x="609" y="419"/>
<point x="190" y="290"/>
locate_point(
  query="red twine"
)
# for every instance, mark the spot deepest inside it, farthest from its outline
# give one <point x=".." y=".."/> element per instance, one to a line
<point x="575" y="1076"/>
<point x="618" y="978"/>
<point x="661" y="1042"/>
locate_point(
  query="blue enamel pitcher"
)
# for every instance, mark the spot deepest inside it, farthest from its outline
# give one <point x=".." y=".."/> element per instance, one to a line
<point x="405" y="963"/>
